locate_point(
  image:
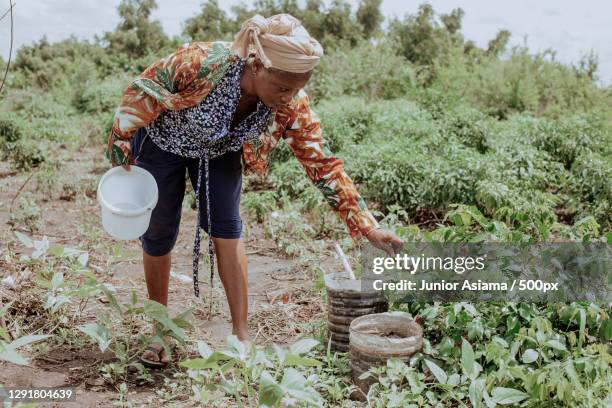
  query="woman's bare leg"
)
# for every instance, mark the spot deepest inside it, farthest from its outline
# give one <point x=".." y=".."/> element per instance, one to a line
<point x="232" y="264"/>
<point x="157" y="275"/>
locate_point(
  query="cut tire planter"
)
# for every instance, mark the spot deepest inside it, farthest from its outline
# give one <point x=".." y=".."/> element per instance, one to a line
<point x="340" y="337"/>
<point x="356" y="311"/>
<point x="339" y="346"/>
<point x="355" y="355"/>
<point x="354" y="302"/>
<point x="338" y="328"/>
<point x="347" y="301"/>
<point x="339" y="285"/>
<point x="346" y="320"/>
<point x="375" y="338"/>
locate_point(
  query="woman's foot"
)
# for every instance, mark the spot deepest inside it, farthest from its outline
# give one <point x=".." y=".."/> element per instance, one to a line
<point x="243" y="336"/>
<point x="155" y="355"/>
<point x="242" y="333"/>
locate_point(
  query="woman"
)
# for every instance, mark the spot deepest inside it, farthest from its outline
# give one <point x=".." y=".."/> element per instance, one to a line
<point x="205" y="108"/>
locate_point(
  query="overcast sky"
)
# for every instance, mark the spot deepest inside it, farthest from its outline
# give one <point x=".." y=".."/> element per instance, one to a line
<point x="571" y="27"/>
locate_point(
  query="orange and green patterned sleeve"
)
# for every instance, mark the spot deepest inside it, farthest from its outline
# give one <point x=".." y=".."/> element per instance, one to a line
<point x="305" y="138"/>
<point x="178" y="81"/>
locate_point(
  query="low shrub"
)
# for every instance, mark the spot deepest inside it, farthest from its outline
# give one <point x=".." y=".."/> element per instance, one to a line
<point x="102" y="96"/>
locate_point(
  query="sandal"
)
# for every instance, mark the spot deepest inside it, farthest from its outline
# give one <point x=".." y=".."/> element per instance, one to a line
<point x="151" y="363"/>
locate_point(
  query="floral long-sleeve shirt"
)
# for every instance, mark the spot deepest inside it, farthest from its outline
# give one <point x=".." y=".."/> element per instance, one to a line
<point x="184" y="79"/>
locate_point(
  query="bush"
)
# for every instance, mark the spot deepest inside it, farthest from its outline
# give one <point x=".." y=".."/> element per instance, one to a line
<point x="27" y="213"/>
<point x="46" y="65"/>
<point x="469" y="126"/>
<point x="289" y="178"/>
<point x="102" y="96"/>
<point x="11" y="129"/>
<point x="16" y="146"/>
<point x="590" y="188"/>
<point x="416" y="179"/>
<point x="522" y="82"/>
<point x="259" y="204"/>
<point x="435" y="101"/>
<point x="424" y="39"/>
<point x="525" y="167"/>
<point x="33" y="104"/>
<point x="398" y="119"/>
<point x="369" y="70"/>
<point x="567" y="138"/>
<point x="26" y="154"/>
<point x="348" y="122"/>
<point x="281" y="153"/>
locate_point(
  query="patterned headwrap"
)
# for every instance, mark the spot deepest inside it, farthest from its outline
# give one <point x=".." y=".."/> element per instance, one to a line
<point x="280" y="42"/>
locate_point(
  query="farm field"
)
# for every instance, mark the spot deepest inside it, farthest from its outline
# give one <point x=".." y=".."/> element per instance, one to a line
<point x="447" y="142"/>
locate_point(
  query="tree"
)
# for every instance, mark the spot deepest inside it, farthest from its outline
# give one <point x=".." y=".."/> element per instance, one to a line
<point x="339" y="24"/>
<point x="588" y="66"/>
<point x="452" y="21"/>
<point x="269" y="8"/>
<point x="211" y="24"/>
<point x="312" y="17"/>
<point x="421" y="38"/>
<point x="370" y="17"/>
<point x="498" y="45"/>
<point x="135" y="35"/>
<point x="47" y="65"/>
<point x="328" y="25"/>
<point x="241" y="13"/>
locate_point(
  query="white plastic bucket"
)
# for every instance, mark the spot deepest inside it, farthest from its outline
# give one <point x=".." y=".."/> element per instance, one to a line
<point x="127" y="199"/>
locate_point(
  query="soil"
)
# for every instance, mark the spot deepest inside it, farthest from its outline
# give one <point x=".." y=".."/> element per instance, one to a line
<point x="389" y="335"/>
<point x="280" y="292"/>
<point x="393" y="335"/>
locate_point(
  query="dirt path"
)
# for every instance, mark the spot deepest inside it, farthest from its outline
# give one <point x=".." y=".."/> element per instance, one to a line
<point x="279" y="291"/>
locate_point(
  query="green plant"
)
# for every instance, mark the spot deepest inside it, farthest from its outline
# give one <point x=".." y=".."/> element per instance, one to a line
<point x="46" y="179"/>
<point x="101" y="96"/>
<point x="499" y="354"/>
<point x="9" y="347"/>
<point x="11" y="129"/>
<point x="259" y="204"/>
<point x="27" y="214"/>
<point x="124" y="341"/>
<point x="288" y="178"/>
<point x="368" y="70"/>
<point x="240" y="367"/>
<point x="117" y="254"/>
<point x="54" y="265"/>
<point x="288" y="227"/>
<point x="63" y="286"/>
<point x="590" y="190"/>
<point x="469" y="126"/>
<point x="26" y="154"/>
<point x="446" y="141"/>
<point x="347" y="123"/>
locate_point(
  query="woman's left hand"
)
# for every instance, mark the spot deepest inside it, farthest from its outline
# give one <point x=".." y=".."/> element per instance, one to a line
<point x="385" y="240"/>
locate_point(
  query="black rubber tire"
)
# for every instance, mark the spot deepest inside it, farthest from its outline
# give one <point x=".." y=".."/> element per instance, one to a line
<point x="357" y="302"/>
<point x="356" y="355"/>
<point x="356" y="311"/>
<point x="340" y="337"/>
<point x="337" y="328"/>
<point x="339" y="346"/>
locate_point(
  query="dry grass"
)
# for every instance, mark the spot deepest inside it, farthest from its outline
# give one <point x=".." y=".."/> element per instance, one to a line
<point x="286" y="316"/>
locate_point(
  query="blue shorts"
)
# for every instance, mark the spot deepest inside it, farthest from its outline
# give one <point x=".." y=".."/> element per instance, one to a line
<point x="169" y="169"/>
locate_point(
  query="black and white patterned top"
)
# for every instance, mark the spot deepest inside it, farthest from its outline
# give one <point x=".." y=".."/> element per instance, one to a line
<point x="204" y="131"/>
<point x="205" y="127"/>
